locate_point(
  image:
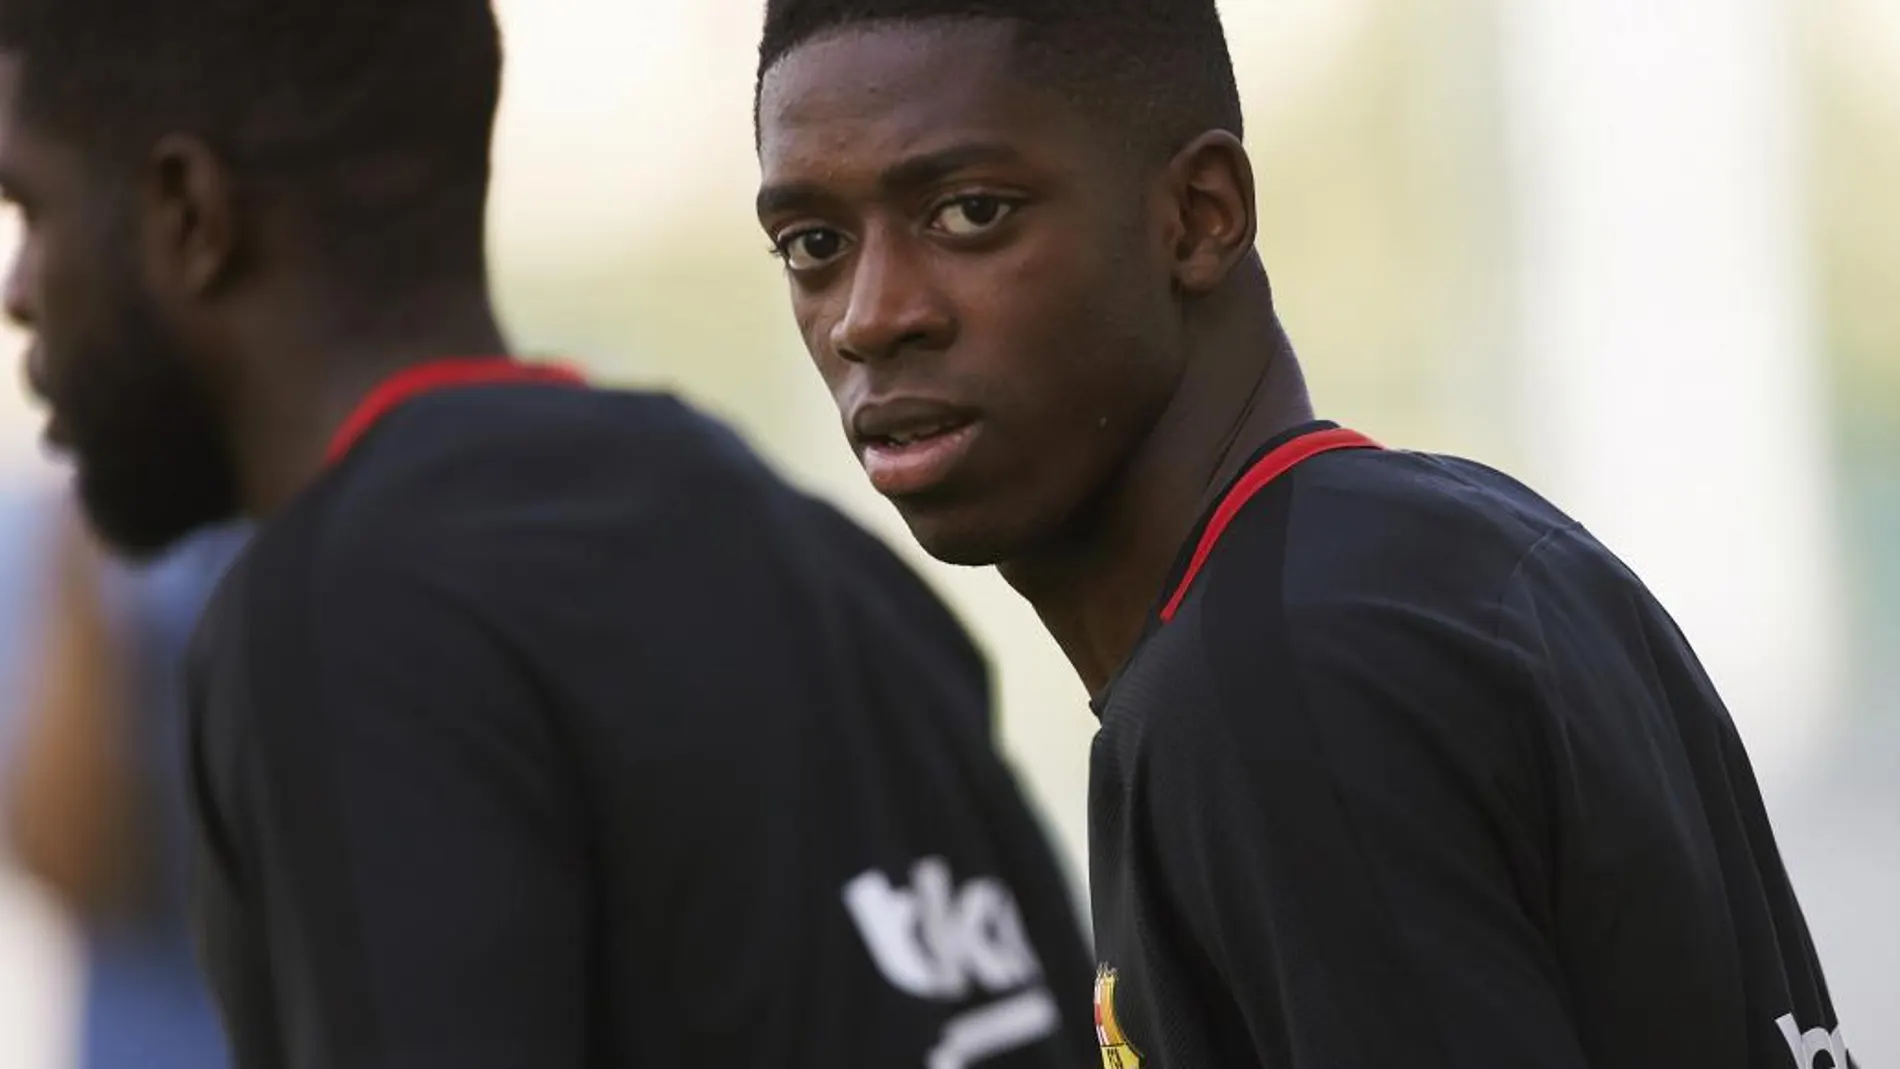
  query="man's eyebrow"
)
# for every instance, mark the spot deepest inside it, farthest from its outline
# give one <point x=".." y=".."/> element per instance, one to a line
<point x="933" y="167"/>
<point x="902" y="177"/>
<point x="788" y="197"/>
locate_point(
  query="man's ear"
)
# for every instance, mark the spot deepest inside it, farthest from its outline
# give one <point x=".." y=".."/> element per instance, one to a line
<point x="1212" y="185"/>
<point x="189" y="215"/>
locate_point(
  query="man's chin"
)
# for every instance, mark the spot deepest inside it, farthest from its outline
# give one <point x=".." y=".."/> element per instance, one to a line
<point x="142" y="524"/>
<point x="138" y="544"/>
<point x="959" y="536"/>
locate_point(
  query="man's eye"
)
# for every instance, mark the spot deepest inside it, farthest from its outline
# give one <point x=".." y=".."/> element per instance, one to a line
<point x="807" y="250"/>
<point x="969" y="216"/>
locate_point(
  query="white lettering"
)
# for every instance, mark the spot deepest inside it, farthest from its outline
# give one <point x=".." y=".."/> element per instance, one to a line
<point x="990" y="930"/>
<point x="1804" y="1047"/>
<point x="937" y="920"/>
<point x="935" y="940"/>
<point x="1014" y="1022"/>
<point x="887" y="918"/>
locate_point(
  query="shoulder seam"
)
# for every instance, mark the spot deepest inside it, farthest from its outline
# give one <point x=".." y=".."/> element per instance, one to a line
<point x="1517" y="570"/>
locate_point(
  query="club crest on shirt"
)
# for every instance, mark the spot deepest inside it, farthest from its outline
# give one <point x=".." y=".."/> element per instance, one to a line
<point x="1116" y="1053"/>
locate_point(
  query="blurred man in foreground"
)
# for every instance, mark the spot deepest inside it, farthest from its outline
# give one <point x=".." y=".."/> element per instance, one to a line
<point x="539" y="725"/>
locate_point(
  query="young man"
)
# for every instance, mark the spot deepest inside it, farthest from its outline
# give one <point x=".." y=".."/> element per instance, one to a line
<point x="1397" y="765"/>
<point x="539" y="725"/>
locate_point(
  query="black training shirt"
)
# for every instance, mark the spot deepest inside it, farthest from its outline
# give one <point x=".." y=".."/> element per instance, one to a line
<point x="1418" y="774"/>
<point x="550" y="730"/>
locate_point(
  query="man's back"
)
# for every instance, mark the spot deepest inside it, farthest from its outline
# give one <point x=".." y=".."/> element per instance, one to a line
<point x="1425" y="775"/>
<point x="550" y="728"/>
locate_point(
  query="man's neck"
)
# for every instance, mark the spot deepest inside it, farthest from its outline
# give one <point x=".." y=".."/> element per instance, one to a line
<point x="294" y="403"/>
<point x="1095" y="590"/>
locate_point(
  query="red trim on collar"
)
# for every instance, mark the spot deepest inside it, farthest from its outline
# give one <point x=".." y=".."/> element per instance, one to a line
<point x="436" y="375"/>
<point x="1264" y="471"/>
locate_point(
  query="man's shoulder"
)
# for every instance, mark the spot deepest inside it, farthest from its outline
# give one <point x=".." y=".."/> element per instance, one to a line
<point x="1361" y="563"/>
<point x="1454" y="541"/>
<point x="508" y="498"/>
<point x="459" y="477"/>
<point x="1440" y="533"/>
<point x="525" y="441"/>
<point x="1358" y="612"/>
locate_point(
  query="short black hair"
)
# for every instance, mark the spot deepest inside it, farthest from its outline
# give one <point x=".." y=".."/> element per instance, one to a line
<point x="375" y="108"/>
<point x="1160" y="69"/>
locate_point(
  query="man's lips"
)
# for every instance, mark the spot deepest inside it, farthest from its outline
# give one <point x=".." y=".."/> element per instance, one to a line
<point x="909" y="445"/>
<point x="916" y="464"/>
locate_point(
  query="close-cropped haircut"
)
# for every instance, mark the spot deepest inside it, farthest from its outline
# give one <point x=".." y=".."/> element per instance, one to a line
<point x="1158" y="70"/>
<point x="370" y="108"/>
